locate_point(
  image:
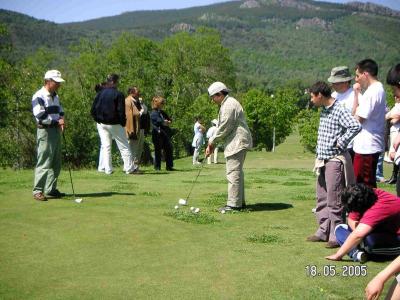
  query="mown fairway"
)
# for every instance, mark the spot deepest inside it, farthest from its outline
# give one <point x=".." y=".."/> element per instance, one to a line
<point x="126" y="240"/>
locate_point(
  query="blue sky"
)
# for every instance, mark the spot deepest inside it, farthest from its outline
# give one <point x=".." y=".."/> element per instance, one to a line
<point x="63" y="11"/>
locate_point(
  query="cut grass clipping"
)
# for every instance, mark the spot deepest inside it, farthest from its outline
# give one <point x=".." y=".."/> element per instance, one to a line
<point x="190" y="217"/>
<point x="217" y="199"/>
<point x="264" y="238"/>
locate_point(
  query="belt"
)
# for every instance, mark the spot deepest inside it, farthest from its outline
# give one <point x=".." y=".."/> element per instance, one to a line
<point x="43" y="126"/>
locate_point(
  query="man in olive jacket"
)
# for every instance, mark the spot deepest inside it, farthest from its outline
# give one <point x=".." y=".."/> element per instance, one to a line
<point x="232" y="129"/>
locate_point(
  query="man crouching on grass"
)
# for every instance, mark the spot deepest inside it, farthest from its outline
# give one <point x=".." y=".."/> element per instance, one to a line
<point x="373" y="225"/>
<point x="337" y="127"/>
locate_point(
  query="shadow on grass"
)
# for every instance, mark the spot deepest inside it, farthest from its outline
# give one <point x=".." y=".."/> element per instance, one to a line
<point x="163" y="172"/>
<point x="268" y="206"/>
<point x="99" y="195"/>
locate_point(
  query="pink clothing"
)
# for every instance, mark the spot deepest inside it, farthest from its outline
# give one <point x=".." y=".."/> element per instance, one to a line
<point x="383" y="216"/>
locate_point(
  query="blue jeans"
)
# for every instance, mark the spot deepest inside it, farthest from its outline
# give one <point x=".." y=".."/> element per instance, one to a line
<point x="379" y="167"/>
<point x="377" y="243"/>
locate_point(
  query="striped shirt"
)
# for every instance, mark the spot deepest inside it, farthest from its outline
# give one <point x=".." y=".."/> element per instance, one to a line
<point x="46" y="107"/>
<point x="337" y="127"/>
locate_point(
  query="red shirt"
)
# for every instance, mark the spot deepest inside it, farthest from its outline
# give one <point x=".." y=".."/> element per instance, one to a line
<point x="383" y="216"/>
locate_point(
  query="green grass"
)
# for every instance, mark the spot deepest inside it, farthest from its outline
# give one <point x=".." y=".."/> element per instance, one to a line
<point x="126" y="240"/>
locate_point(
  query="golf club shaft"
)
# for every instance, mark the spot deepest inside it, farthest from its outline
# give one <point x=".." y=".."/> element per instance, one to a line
<point x="68" y="163"/>
<point x="194" y="182"/>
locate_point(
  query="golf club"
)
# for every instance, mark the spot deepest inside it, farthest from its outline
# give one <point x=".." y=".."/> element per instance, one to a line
<point x="77" y="200"/>
<point x="195" y="180"/>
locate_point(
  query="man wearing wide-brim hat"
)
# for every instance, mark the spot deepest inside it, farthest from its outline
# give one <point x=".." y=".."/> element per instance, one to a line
<point x="340" y="79"/>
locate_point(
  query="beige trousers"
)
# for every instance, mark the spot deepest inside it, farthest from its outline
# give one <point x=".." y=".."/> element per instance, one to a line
<point x="136" y="147"/>
<point x="235" y="176"/>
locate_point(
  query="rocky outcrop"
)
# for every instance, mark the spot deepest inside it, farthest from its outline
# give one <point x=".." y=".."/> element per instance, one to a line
<point x="373" y="8"/>
<point x="296" y="4"/>
<point x="182" y="27"/>
<point x="250" y="4"/>
<point x="314" y="22"/>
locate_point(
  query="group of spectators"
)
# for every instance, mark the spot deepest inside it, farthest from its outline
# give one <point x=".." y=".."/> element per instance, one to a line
<point x="126" y="120"/>
<point x="352" y="213"/>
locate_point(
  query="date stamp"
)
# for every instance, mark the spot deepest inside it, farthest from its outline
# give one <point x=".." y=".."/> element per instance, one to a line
<point x="336" y="271"/>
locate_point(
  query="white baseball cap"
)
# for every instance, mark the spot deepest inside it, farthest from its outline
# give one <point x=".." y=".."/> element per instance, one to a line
<point x="54" y="75"/>
<point x="217" y="87"/>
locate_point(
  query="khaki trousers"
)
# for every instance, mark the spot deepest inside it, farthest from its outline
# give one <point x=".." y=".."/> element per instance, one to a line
<point x="48" y="166"/>
<point x="330" y="183"/>
<point x="235" y="176"/>
<point x="137" y="147"/>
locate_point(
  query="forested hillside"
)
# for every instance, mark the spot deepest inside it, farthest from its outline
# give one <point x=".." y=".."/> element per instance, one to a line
<point x="267" y="51"/>
<point x="272" y="42"/>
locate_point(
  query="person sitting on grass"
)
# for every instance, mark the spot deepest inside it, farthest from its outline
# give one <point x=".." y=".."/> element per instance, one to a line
<point x="373" y="224"/>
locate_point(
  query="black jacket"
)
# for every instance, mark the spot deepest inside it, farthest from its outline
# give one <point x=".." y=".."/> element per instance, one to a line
<point x="109" y="107"/>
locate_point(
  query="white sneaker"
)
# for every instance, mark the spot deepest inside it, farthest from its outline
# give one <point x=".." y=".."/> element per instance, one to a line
<point x="361" y="257"/>
<point x="196" y="163"/>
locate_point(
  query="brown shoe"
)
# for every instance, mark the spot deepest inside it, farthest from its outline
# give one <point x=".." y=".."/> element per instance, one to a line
<point x="332" y="244"/>
<point x="39" y="197"/>
<point x="314" y="238"/>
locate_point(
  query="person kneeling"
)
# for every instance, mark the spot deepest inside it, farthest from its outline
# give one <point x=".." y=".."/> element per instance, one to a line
<point x="373" y="224"/>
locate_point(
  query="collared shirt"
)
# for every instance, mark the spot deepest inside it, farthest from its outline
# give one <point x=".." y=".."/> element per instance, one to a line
<point x="232" y="128"/>
<point x="337" y="127"/>
<point x="46" y="107"/>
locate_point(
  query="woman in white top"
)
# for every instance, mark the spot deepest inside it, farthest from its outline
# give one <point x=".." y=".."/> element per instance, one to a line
<point x="198" y="139"/>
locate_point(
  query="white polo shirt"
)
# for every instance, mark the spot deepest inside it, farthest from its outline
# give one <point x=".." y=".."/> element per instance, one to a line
<point x="372" y="108"/>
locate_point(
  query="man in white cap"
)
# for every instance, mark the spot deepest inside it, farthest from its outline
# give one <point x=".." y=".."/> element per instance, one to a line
<point x="233" y="131"/>
<point x="49" y="116"/>
<point x="210" y="133"/>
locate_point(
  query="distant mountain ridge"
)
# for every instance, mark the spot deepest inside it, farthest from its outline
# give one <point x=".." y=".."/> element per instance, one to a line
<point x="272" y="42"/>
<point x="374" y="8"/>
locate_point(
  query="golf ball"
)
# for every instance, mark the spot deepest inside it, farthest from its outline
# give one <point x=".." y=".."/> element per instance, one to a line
<point x="79" y="200"/>
<point x="176" y="206"/>
<point x="197" y="210"/>
<point x="182" y="201"/>
<point x="192" y="208"/>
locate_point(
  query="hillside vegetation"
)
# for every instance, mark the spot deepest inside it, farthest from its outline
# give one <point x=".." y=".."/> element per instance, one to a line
<point x="267" y="51"/>
<point x="272" y="42"/>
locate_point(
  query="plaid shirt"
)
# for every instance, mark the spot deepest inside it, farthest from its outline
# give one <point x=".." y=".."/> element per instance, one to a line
<point x="337" y="127"/>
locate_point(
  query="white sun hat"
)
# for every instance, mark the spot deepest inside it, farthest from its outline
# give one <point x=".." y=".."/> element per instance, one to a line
<point x="217" y="87"/>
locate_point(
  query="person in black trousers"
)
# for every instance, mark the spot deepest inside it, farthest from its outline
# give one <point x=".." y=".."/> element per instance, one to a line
<point x="161" y="134"/>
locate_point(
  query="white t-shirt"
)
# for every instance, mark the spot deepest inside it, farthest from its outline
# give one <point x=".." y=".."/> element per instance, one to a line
<point x="346" y="99"/>
<point x="372" y="108"/>
<point x="394" y="111"/>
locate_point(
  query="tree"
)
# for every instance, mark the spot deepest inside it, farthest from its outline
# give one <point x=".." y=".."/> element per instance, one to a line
<point x="268" y="112"/>
<point x="192" y="61"/>
<point x="308" y="122"/>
